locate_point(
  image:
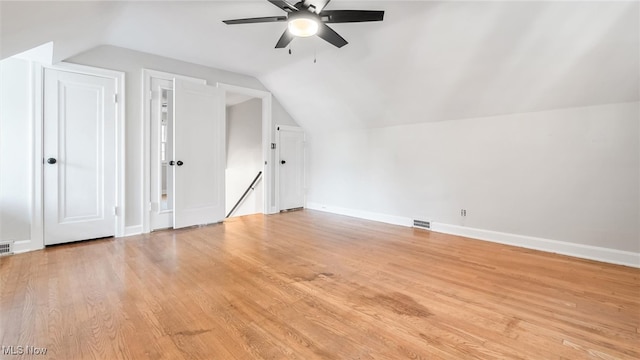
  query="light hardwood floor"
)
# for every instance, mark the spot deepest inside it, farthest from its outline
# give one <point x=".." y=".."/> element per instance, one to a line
<point x="311" y="285"/>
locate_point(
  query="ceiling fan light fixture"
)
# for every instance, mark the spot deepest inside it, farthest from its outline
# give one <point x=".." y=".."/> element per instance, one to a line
<point x="303" y="25"/>
<point x="308" y="17"/>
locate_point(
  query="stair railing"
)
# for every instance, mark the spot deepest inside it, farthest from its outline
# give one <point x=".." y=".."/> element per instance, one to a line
<point x="251" y="187"/>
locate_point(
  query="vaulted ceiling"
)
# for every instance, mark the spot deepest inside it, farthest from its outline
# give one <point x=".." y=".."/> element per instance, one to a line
<point x="428" y="61"/>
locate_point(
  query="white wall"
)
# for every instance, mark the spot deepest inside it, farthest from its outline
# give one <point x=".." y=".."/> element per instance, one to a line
<point x="244" y="156"/>
<point x="570" y="175"/>
<point x="15" y="150"/>
<point x="132" y="62"/>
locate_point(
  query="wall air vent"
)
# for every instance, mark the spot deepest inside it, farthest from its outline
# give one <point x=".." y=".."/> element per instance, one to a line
<point x="6" y="248"/>
<point x="422" y="224"/>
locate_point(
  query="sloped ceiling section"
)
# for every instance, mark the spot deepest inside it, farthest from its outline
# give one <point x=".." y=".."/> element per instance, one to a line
<point x="441" y="61"/>
<point x="428" y="61"/>
<point x="73" y="26"/>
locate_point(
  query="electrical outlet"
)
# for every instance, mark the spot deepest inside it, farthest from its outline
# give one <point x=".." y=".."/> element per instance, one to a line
<point x="463" y="212"/>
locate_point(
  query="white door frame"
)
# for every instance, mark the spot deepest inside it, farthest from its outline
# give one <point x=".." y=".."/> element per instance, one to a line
<point x="145" y="197"/>
<point x="277" y="161"/>
<point x="267" y="140"/>
<point x="37" y="223"/>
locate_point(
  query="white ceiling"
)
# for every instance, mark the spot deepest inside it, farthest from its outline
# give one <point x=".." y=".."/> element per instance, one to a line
<point x="428" y="61"/>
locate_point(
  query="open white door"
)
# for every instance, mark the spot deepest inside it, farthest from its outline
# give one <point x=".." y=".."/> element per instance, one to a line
<point x="79" y="150"/>
<point x="161" y="211"/>
<point x="198" y="154"/>
<point x="290" y="167"/>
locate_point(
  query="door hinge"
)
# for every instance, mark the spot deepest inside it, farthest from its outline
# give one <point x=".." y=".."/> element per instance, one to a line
<point x="115" y="98"/>
<point x="273" y="145"/>
<point x="115" y="211"/>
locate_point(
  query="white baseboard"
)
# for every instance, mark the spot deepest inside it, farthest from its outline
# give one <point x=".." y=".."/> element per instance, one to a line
<point x="389" y="219"/>
<point x="132" y="230"/>
<point x="597" y="253"/>
<point x="612" y="256"/>
<point x="22" y="246"/>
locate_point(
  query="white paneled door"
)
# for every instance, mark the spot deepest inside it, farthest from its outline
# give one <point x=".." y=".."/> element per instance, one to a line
<point x="291" y="167"/>
<point x="198" y="154"/>
<point x="79" y="156"/>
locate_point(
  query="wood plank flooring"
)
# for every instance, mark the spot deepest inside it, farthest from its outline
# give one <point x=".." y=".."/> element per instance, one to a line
<point x="311" y="285"/>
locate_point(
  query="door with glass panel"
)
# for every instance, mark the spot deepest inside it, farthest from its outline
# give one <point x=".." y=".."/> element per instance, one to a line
<point x="161" y="153"/>
<point x="187" y="154"/>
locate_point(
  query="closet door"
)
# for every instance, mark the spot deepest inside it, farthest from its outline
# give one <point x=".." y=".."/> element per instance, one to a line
<point x="291" y="167"/>
<point x="79" y="148"/>
<point x="198" y="154"/>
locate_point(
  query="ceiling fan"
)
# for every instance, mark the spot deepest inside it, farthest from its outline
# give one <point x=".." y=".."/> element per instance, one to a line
<point x="308" y="18"/>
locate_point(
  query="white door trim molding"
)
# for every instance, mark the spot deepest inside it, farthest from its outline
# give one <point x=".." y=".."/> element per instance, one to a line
<point x="37" y="225"/>
<point x="267" y="139"/>
<point x="145" y="197"/>
<point x="37" y="152"/>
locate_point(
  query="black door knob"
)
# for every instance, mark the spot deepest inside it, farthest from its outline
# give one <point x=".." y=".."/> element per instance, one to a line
<point x="51" y="161"/>
<point x="179" y="163"/>
<point x="171" y="163"/>
<point x="282" y="162"/>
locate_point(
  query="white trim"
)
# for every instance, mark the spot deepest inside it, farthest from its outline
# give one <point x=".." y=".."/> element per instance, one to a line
<point x="37" y="224"/>
<point x="554" y="246"/>
<point x="36" y="175"/>
<point x="22" y="246"/>
<point x="133" y="230"/>
<point x="121" y="156"/>
<point x="86" y="70"/>
<point x="145" y="196"/>
<point x="597" y="253"/>
<point x="170" y="76"/>
<point x="360" y="214"/>
<point x="267" y="139"/>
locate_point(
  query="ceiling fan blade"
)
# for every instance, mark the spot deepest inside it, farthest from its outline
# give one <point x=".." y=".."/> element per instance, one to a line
<point x="284" y="5"/>
<point x="347" y="16"/>
<point x="255" y="20"/>
<point x="317" y="4"/>
<point x="285" y="39"/>
<point x="332" y="37"/>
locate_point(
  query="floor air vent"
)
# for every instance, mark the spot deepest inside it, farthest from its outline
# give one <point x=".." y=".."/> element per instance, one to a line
<point x="5" y="248"/>
<point x="422" y="224"/>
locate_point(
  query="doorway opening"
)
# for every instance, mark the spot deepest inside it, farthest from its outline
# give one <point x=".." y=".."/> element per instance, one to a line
<point x="185" y="152"/>
<point x="244" y="190"/>
<point x="251" y="98"/>
<point x="251" y="138"/>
